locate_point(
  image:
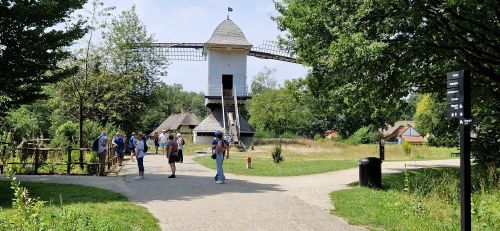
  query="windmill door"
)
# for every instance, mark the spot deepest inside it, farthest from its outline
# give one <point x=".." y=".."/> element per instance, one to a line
<point x="227" y="85"/>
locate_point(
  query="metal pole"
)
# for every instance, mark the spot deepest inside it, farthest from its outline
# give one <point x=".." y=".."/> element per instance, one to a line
<point x="465" y="169"/>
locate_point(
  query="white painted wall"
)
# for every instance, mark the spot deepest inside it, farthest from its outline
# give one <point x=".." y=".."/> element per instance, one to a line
<point x="227" y="62"/>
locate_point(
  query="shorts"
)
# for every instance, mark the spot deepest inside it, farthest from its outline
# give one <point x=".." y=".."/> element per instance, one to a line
<point x="163" y="145"/>
<point x="140" y="163"/>
<point x="172" y="159"/>
<point x="119" y="154"/>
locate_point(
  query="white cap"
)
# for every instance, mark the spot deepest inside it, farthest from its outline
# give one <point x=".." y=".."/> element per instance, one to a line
<point x="178" y="134"/>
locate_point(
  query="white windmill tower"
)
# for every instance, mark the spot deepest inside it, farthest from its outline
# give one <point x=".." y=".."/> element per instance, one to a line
<point x="226" y="52"/>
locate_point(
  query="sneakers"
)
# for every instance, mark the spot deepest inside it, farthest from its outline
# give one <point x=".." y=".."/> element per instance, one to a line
<point x="172" y="176"/>
<point x="138" y="178"/>
<point x="219" y="182"/>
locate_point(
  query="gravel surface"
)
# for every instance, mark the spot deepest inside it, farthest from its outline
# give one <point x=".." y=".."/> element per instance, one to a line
<point x="193" y="201"/>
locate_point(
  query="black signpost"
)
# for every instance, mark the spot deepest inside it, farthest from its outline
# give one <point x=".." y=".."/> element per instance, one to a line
<point x="459" y="106"/>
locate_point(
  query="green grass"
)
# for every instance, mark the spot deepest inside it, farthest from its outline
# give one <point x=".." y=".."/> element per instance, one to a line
<point x="430" y="202"/>
<point x="266" y="167"/>
<point x="303" y="156"/>
<point x="103" y="209"/>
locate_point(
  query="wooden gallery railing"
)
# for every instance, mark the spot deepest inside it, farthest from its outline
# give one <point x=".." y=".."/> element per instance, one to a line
<point x="41" y="156"/>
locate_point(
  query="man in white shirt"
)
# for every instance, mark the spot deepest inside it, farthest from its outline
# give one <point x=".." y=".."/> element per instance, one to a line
<point x="101" y="152"/>
<point x="139" y="151"/>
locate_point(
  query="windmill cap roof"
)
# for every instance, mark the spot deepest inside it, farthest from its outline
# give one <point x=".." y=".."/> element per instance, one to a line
<point x="228" y="33"/>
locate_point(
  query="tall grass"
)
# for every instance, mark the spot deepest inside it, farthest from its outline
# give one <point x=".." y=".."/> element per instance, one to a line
<point x="423" y="199"/>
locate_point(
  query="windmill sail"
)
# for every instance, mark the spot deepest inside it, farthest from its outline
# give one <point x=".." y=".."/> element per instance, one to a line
<point x="175" y="51"/>
<point x="195" y="51"/>
<point x="273" y="50"/>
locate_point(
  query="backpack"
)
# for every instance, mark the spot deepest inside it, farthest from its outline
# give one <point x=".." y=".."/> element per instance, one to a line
<point x="95" y="145"/>
<point x="145" y="146"/>
<point x="222" y="147"/>
<point x="175" y="147"/>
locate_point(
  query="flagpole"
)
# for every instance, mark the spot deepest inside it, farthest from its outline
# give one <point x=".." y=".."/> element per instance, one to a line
<point x="229" y="9"/>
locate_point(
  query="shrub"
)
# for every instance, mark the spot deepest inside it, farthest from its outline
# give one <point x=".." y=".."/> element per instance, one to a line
<point x="276" y="154"/>
<point x="365" y="135"/>
<point x="318" y="136"/>
<point x="407" y="147"/>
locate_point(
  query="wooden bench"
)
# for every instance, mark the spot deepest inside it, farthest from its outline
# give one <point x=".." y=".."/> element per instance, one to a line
<point x="455" y="154"/>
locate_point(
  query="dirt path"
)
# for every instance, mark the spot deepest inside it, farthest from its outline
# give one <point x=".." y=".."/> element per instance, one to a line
<point x="193" y="201"/>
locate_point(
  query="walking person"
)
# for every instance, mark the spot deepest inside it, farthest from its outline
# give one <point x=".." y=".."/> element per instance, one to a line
<point x="101" y="152"/>
<point x="156" y="139"/>
<point x="131" y="146"/>
<point x="220" y="149"/>
<point x="180" y="144"/>
<point x="163" y="142"/>
<point x="172" y="154"/>
<point x="119" y="145"/>
<point x="139" y="151"/>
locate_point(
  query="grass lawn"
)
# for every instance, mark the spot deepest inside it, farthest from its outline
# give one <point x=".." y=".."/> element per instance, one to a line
<point x="303" y="156"/>
<point x="430" y="202"/>
<point x="263" y="167"/>
<point x="96" y="209"/>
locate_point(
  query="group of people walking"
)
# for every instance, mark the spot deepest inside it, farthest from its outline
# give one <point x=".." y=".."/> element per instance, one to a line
<point x="170" y="146"/>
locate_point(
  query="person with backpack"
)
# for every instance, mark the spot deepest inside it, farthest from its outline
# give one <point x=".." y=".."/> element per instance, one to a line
<point x="119" y="145"/>
<point x="180" y="144"/>
<point x="131" y="146"/>
<point x="140" y="153"/>
<point x="102" y="149"/>
<point x="172" y="154"/>
<point x="220" y="149"/>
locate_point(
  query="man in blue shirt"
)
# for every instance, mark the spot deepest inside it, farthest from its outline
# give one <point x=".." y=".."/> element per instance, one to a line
<point x="131" y="146"/>
<point x="119" y="145"/>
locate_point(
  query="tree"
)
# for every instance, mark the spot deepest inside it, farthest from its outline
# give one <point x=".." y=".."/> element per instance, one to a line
<point x="31" y="40"/>
<point x="367" y="56"/>
<point x="171" y="99"/>
<point x="277" y="110"/>
<point x="23" y="123"/>
<point x="430" y="119"/>
<point x="263" y="80"/>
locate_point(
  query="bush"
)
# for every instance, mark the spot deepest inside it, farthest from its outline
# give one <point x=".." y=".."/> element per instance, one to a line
<point x="30" y="215"/>
<point x="407" y="147"/>
<point x="260" y="133"/>
<point x="276" y="154"/>
<point x="365" y="135"/>
<point x="318" y="136"/>
<point x="65" y="134"/>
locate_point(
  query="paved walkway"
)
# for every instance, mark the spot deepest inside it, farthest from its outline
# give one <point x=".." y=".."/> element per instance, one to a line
<point x="193" y="201"/>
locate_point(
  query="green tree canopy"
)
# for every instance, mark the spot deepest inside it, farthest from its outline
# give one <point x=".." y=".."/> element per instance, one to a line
<point x="367" y="56"/>
<point x="279" y="111"/>
<point x="263" y="80"/>
<point x="32" y="36"/>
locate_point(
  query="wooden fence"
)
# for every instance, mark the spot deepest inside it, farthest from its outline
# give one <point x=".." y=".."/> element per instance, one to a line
<point x="40" y="156"/>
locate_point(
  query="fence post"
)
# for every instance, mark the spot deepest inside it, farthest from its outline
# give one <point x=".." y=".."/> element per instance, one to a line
<point x="68" y="167"/>
<point x="37" y="155"/>
<point x="4" y="149"/>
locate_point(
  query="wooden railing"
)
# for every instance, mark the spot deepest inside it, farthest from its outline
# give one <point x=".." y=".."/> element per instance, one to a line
<point x="40" y="156"/>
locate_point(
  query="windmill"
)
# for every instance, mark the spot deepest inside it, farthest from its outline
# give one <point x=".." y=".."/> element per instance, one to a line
<point x="226" y="52"/>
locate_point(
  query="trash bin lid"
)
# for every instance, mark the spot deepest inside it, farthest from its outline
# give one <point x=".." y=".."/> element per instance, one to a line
<point x="370" y="161"/>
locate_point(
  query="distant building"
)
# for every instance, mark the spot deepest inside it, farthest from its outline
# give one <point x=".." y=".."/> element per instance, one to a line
<point x="183" y="123"/>
<point x="403" y="131"/>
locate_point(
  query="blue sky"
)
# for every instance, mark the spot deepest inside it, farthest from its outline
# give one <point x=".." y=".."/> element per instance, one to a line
<point x="195" y="20"/>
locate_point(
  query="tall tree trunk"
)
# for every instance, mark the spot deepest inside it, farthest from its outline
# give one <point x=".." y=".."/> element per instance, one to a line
<point x="80" y="121"/>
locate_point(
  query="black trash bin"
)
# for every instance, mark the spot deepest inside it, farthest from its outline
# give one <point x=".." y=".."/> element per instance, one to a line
<point x="370" y="172"/>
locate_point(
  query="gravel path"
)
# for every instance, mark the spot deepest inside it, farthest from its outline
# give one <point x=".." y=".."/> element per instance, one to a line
<point x="193" y="201"/>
